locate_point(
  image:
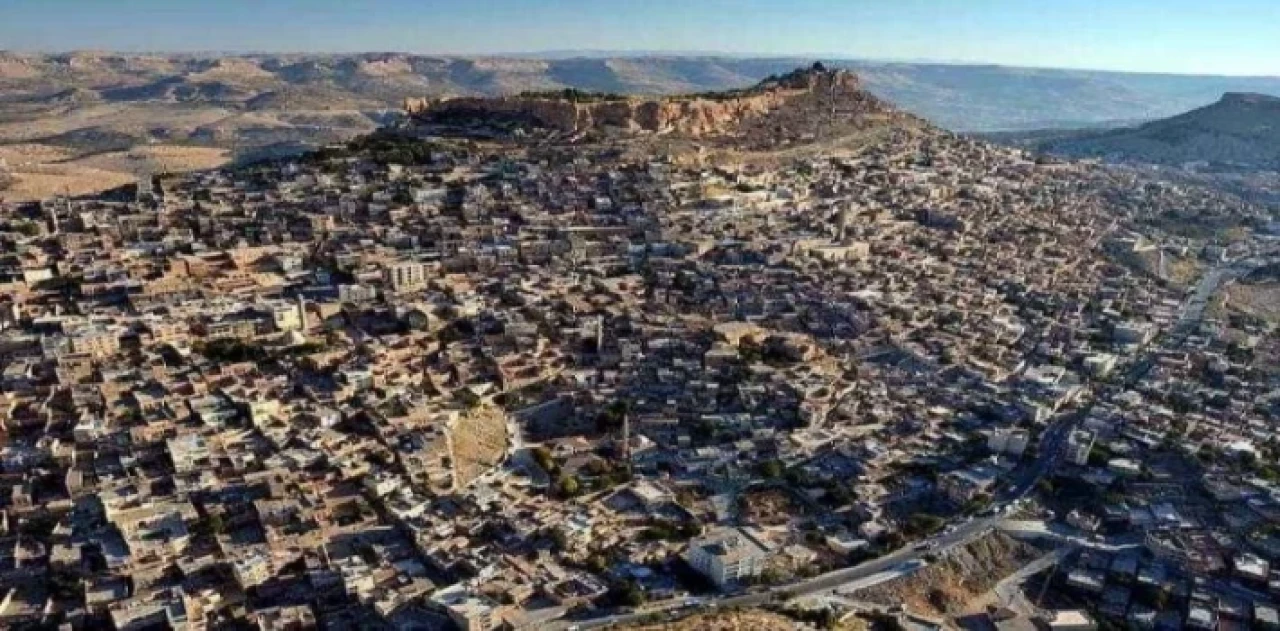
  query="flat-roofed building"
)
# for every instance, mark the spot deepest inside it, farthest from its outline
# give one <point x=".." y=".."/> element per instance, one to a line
<point x="727" y="556"/>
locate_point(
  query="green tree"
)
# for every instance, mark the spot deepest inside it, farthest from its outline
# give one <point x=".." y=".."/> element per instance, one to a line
<point x="568" y="486"/>
<point x="923" y="524"/>
<point x="628" y="594"/>
<point x="597" y="563"/>
<point x="542" y="456"/>
<point x="771" y="576"/>
<point x="559" y="540"/>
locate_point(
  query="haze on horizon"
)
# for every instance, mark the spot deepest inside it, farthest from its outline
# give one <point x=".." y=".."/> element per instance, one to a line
<point x="1232" y="37"/>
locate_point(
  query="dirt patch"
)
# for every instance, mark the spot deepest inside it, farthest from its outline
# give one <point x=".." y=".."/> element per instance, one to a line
<point x="479" y="442"/>
<point x="731" y="621"/>
<point x="44" y="182"/>
<point x="1257" y="299"/>
<point x="41" y="171"/>
<point x="955" y="580"/>
<point x="157" y="159"/>
<point x="770" y="507"/>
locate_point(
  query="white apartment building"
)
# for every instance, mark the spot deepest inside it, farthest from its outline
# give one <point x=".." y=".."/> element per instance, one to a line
<point x="726" y="556"/>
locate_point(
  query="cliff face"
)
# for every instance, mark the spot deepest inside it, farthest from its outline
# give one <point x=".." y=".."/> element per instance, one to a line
<point x="697" y="116"/>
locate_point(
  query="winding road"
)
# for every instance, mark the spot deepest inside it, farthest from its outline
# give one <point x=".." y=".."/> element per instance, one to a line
<point x="906" y="560"/>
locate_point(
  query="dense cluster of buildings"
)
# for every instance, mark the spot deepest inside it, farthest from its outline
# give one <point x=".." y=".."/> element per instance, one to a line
<point x="500" y="384"/>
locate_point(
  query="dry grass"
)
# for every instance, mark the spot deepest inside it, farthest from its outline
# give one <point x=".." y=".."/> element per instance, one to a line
<point x="1261" y="300"/>
<point x="750" y="620"/>
<point x="128" y="118"/>
<point x="44" y="182"/>
<point x="770" y="507"/>
<point x="1184" y="272"/>
<point x="43" y="171"/>
<point x="157" y="159"/>
<point x="479" y="443"/>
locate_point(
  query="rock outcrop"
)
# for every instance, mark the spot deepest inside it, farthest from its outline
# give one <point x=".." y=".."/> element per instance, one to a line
<point x="823" y="92"/>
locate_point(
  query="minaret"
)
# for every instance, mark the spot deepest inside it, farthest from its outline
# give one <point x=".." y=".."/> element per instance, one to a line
<point x="53" y="218"/>
<point x="302" y="312"/>
<point x="626" y="438"/>
<point x="599" y="334"/>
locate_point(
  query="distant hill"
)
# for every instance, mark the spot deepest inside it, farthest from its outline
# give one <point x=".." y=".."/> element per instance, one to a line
<point x="957" y="97"/>
<point x="91" y="111"/>
<point x="1240" y="132"/>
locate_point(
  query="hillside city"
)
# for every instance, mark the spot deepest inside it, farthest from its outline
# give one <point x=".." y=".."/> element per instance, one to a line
<point x="484" y="375"/>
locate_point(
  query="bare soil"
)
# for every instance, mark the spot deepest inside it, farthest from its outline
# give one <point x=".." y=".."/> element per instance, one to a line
<point x="947" y="587"/>
<point x="479" y="443"/>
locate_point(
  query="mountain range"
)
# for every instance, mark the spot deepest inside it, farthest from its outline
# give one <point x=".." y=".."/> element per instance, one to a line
<point x="958" y="97"/>
<point x="1238" y="133"/>
<point x="119" y="115"/>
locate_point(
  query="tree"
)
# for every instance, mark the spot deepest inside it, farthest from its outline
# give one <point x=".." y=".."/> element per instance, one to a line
<point x="597" y="563"/>
<point x="1207" y="454"/>
<point x="628" y="594"/>
<point x="976" y="504"/>
<point x="1161" y="600"/>
<point x="542" y="456"/>
<point x="771" y="469"/>
<point x="923" y="524"/>
<point x="1099" y="456"/>
<point x="771" y="576"/>
<point x="559" y="540"/>
<point x="610" y="418"/>
<point x="568" y="486"/>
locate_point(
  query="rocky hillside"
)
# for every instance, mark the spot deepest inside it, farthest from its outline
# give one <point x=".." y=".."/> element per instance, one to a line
<point x="1241" y="132"/>
<point x="75" y="122"/>
<point x="945" y="587"/>
<point x="796" y="106"/>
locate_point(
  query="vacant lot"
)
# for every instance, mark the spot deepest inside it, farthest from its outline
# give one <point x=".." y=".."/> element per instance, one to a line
<point x="479" y="443"/>
<point x="770" y="507"/>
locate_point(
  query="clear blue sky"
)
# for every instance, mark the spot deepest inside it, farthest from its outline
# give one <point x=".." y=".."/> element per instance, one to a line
<point x="1205" y="36"/>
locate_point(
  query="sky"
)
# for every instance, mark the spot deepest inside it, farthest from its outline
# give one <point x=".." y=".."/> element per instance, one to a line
<point x="1237" y="37"/>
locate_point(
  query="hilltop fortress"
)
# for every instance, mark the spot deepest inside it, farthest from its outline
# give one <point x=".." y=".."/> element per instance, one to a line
<point x="825" y="92"/>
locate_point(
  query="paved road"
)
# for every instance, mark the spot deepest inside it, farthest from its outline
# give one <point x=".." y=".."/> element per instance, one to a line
<point x="909" y="559"/>
<point x="899" y="563"/>
<point x="1009" y="591"/>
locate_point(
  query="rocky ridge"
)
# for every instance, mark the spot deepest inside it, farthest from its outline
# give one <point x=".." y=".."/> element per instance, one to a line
<point x="821" y="91"/>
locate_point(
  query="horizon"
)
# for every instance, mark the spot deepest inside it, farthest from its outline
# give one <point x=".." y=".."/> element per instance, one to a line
<point x="1182" y="37"/>
<point x="591" y="54"/>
